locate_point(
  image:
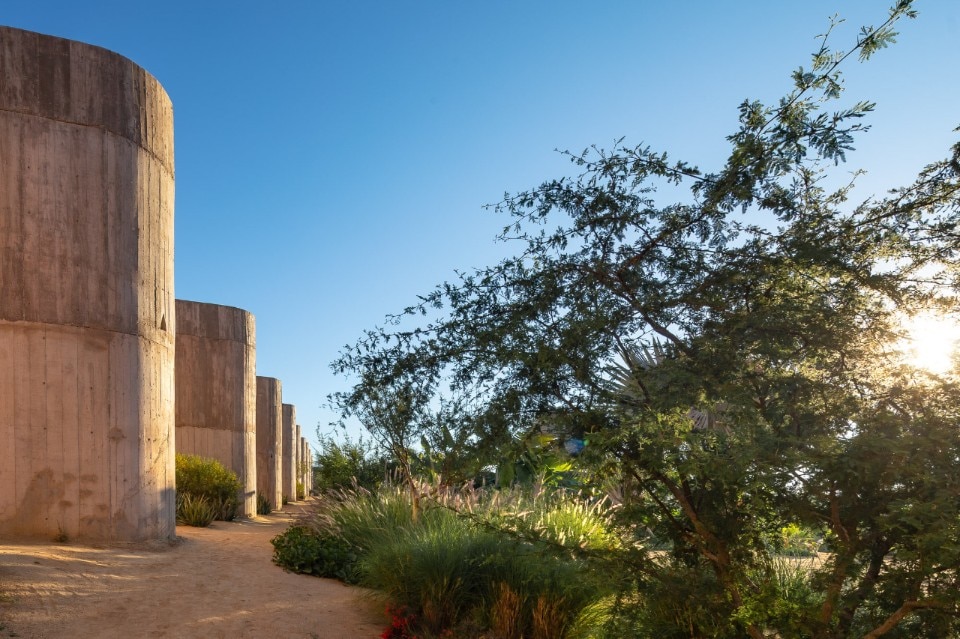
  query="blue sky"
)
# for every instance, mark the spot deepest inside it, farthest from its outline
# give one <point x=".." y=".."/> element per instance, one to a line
<point x="333" y="158"/>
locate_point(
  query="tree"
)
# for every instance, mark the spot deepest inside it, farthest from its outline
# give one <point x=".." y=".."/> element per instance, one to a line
<point x="774" y="304"/>
<point x="342" y="461"/>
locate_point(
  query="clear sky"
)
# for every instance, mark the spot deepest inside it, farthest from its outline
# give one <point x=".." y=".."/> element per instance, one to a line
<point x="332" y="157"/>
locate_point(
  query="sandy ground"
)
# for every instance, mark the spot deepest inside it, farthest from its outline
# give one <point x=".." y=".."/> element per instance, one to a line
<point x="216" y="582"/>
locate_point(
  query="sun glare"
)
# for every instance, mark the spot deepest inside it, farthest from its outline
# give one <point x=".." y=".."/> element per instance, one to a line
<point x="931" y="342"/>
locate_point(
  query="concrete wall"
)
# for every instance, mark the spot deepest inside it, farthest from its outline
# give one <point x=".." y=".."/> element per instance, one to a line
<point x="289" y="462"/>
<point x="269" y="440"/>
<point x="303" y="466"/>
<point x="86" y="294"/>
<point x="216" y="381"/>
<point x="309" y="469"/>
<point x="297" y="453"/>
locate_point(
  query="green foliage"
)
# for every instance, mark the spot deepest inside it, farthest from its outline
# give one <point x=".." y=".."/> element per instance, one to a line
<point x="305" y="550"/>
<point x="797" y="541"/>
<point x="263" y="504"/>
<point x="366" y="518"/>
<point x="195" y="510"/>
<point x="301" y="494"/>
<point x="757" y="386"/>
<point x="342" y="462"/>
<point x="466" y="560"/>
<point x="200" y="477"/>
<point x="430" y="567"/>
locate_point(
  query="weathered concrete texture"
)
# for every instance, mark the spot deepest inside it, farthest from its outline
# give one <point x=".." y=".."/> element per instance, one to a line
<point x="289" y="462"/>
<point x="86" y="294"/>
<point x="269" y="440"/>
<point x="298" y="455"/>
<point x="303" y="465"/>
<point x="216" y="383"/>
<point x="309" y="469"/>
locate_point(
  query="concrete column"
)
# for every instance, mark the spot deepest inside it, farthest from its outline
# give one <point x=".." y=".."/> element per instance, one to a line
<point x="289" y="462"/>
<point x="216" y="410"/>
<point x="309" y="469"/>
<point x="303" y="465"/>
<point x="298" y="454"/>
<point x="269" y="440"/>
<point x="86" y="294"/>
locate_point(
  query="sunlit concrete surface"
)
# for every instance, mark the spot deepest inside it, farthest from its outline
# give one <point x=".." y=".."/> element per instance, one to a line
<point x="216" y="381"/>
<point x="86" y="294"/>
<point x="270" y="440"/>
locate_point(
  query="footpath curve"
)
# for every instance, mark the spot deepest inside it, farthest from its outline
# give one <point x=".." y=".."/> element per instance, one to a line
<point x="215" y="582"/>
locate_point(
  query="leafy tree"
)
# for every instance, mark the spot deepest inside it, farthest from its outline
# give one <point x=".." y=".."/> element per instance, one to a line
<point x="771" y="393"/>
<point x="341" y="462"/>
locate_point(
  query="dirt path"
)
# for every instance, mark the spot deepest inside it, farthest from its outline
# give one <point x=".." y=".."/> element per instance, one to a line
<point x="217" y="582"/>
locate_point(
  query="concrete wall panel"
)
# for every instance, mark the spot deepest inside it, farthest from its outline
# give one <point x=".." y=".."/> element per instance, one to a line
<point x="302" y="467"/>
<point x="270" y="440"/>
<point x="289" y="462"/>
<point x="298" y="457"/>
<point x="307" y="467"/>
<point x="216" y="389"/>
<point x="86" y="293"/>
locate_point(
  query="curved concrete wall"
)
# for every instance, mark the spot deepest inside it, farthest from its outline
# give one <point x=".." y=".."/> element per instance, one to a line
<point x="289" y="462"/>
<point x="216" y="409"/>
<point x="269" y="440"/>
<point x="303" y="465"/>
<point x="298" y="457"/>
<point x="309" y="469"/>
<point x="86" y="293"/>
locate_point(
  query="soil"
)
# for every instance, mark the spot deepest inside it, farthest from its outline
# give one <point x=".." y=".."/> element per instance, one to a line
<point x="212" y="582"/>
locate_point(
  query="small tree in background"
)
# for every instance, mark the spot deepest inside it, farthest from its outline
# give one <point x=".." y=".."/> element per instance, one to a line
<point x="340" y="462"/>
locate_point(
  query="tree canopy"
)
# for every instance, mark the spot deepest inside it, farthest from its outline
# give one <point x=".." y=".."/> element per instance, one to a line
<point x="730" y="359"/>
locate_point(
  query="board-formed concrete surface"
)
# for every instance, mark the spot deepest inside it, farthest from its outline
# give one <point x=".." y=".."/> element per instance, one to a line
<point x="289" y="462"/>
<point x="309" y="469"/>
<point x="297" y="454"/>
<point x="303" y="466"/>
<point x="270" y="440"/>
<point x="216" y="380"/>
<point x="86" y="294"/>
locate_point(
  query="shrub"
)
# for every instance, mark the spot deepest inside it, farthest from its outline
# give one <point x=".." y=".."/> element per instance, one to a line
<point x="202" y="477"/>
<point x="194" y="510"/>
<point x="796" y="541"/>
<point x="304" y="550"/>
<point x="432" y="567"/>
<point x="366" y="518"/>
<point x="263" y="505"/>
<point x="301" y="493"/>
<point x="342" y="464"/>
<point x="469" y="561"/>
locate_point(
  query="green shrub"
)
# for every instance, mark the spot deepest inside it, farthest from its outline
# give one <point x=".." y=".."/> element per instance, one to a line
<point x="797" y="541"/>
<point x="366" y="518"/>
<point x="304" y="550"/>
<point x="263" y="505"/>
<point x="194" y="510"/>
<point x="202" y="477"/>
<point x="471" y="561"/>
<point x="343" y="462"/>
<point x="301" y="494"/>
<point x="432" y="567"/>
